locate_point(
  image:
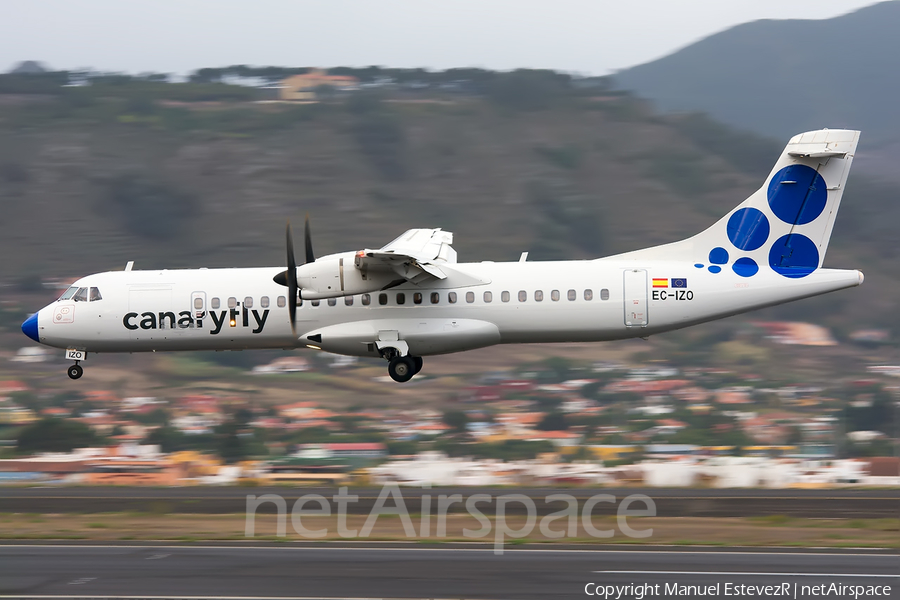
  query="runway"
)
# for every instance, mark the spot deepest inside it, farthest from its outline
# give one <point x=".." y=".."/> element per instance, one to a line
<point x="670" y="502"/>
<point x="416" y="571"/>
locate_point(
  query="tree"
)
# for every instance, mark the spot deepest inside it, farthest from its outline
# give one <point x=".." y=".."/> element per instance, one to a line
<point x="382" y="139"/>
<point x="167" y="438"/>
<point x="553" y="421"/>
<point x="56" y="435"/>
<point x="456" y="420"/>
<point x="153" y="209"/>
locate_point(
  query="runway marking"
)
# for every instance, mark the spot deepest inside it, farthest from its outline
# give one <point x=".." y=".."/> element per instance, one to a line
<point x="748" y="573"/>
<point x="82" y="581"/>
<point x="867" y="552"/>
<point x="231" y="498"/>
<point x="158" y="556"/>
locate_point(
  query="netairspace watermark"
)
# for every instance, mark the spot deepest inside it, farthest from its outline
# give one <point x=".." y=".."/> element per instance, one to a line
<point x="500" y="530"/>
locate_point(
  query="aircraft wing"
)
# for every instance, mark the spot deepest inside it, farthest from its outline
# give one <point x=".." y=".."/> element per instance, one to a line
<point x="415" y="256"/>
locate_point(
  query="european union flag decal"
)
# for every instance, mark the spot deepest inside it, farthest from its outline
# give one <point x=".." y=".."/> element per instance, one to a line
<point x="679" y="282"/>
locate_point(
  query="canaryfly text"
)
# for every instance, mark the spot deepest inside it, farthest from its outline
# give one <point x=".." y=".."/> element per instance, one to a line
<point x="244" y="317"/>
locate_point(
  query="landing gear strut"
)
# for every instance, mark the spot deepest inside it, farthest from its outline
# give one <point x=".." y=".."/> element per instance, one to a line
<point x="75" y="371"/>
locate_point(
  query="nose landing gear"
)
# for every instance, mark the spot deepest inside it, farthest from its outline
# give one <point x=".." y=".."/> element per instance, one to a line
<point x="75" y="371"/>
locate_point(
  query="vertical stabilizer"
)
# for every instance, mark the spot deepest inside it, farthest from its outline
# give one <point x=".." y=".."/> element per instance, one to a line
<point x="786" y="224"/>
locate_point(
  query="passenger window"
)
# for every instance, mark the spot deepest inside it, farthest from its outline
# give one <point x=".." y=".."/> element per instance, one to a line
<point x="417" y="298"/>
<point x="69" y="293"/>
<point x="348" y="300"/>
<point x="264" y="302"/>
<point x="214" y="303"/>
<point x="604" y="294"/>
<point x="366" y="299"/>
<point x="401" y="298"/>
<point x="198" y="303"/>
<point x="95" y="294"/>
<point x="588" y="295"/>
<point x="470" y="297"/>
<point x="538" y="296"/>
<point x="232" y="302"/>
<point x="281" y="301"/>
<point x="382" y="299"/>
<point x="488" y="297"/>
<point x="504" y="296"/>
<point x="435" y="297"/>
<point x="523" y="295"/>
<point x="554" y="295"/>
<point x="81" y="295"/>
<point x="315" y="302"/>
<point x="571" y="295"/>
<point x="451" y="297"/>
<point x="332" y="302"/>
<point x="248" y="302"/>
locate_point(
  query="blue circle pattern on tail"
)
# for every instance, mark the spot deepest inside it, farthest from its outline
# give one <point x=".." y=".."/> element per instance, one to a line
<point x="794" y="255"/>
<point x="797" y="194"/>
<point x="748" y="229"/>
<point x="717" y="256"/>
<point x="745" y="267"/>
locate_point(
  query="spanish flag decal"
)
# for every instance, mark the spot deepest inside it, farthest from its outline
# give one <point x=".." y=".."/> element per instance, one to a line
<point x="660" y="282"/>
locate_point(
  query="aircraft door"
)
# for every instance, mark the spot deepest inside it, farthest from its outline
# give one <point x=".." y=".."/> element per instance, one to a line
<point x="147" y="302"/>
<point x="635" y="298"/>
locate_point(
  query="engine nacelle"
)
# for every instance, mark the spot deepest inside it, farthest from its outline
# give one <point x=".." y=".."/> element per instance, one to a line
<point x="336" y="275"/>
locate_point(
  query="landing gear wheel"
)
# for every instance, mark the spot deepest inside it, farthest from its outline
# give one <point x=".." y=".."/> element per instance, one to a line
<point x="417" y="363"/>
<point x="75" y="371"/>
<point x="401" y="368"/>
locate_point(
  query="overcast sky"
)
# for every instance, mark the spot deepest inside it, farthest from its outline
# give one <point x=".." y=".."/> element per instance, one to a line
<point x="179" y="36"/>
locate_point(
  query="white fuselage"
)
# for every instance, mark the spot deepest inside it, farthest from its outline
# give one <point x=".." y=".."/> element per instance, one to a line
<point x="189" y="309"/>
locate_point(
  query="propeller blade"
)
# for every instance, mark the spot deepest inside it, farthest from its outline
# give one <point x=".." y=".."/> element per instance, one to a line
<point x="291" y="277"/>
<point x="288" y="277"/>
<point x="310" y="257"/>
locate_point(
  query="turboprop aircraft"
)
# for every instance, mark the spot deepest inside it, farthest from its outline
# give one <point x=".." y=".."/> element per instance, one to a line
<point x="411" y="298"/>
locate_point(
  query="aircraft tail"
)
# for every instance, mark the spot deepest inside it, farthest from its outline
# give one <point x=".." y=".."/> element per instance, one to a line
<point x="786" y="224"/>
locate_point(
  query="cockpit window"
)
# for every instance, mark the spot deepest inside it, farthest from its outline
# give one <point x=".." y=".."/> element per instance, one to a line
<point x="81" y="295"/>
<point x="95" y="294"/>
<point x="69" y="293"/>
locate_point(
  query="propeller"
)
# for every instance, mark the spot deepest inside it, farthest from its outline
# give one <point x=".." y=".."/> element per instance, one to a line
<point x="288" y="278"/>
<point x="307" y="239"/>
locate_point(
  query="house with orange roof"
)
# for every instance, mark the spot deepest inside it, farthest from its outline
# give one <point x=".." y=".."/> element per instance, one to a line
<point x="12" y="386"/>
<point x="733" y="396"/>
<point x="56" y="411"/>
<point x="304" y="87"/>
<point x="101" y="397"/>
<point x="560" y="439"/>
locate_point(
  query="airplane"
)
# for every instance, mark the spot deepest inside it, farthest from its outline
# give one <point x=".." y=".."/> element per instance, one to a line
<point x="411" y="298"/>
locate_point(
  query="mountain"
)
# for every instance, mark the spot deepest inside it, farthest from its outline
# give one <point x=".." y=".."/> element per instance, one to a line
<point x="779" y="77"/>
<point x="89" y="184"/>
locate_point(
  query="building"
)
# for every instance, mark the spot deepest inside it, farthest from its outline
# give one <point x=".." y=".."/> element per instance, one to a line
<point x="303" y="88"/>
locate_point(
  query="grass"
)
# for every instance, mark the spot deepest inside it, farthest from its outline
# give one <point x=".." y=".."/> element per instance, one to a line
<point x="774" y="530"/>
<point x="773" y="520"/>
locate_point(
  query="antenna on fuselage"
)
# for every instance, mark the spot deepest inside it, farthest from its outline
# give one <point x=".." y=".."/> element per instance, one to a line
<point x="129" y="265"/>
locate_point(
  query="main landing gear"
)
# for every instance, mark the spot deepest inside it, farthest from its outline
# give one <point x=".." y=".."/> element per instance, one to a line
<point x="402" y="368"/>
<point x="75" y="371"/>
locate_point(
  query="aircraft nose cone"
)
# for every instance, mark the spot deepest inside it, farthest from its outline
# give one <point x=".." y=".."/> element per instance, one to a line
<point x="30" y="327"/>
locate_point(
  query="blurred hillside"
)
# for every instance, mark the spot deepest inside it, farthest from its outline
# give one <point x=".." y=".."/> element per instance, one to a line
<point x="204" y="174"/>
<point x="779" y="77"/>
